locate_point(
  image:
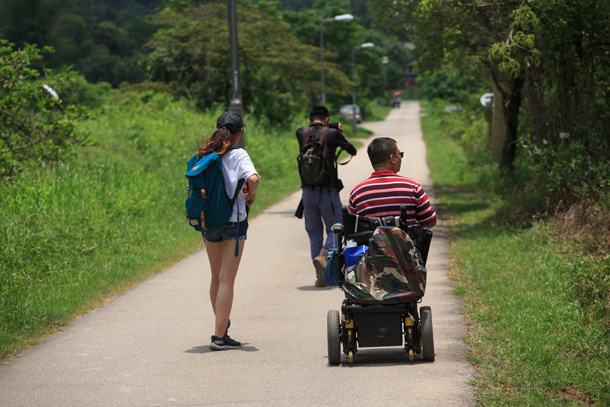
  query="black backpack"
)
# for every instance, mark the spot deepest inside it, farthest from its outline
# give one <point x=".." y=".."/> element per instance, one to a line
<point x="315" y="166"/>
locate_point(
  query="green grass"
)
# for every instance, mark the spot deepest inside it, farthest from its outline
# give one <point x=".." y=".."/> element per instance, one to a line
<point x="530" y="339"/>
<point x="73" y="235"/>
<point x="376" y="112"/>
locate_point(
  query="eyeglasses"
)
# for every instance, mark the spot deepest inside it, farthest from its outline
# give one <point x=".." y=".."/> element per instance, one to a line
<point x="400" y="153"/>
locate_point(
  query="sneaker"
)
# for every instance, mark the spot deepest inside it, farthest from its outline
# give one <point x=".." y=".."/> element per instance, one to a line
<point x="228" y="327"/>
<point x="224" y="343"/>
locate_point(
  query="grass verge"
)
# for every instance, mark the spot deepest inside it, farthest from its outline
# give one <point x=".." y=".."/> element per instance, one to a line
<point x="530" y="339"/>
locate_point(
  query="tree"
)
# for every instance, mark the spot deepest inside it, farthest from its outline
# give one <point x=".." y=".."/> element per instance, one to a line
<point x="35" y="126"/>
<point x="393" y="17"/>
<point x="493" y="33"/>
<point x="570" y="86"/>
<point x="31" y="21"/>
<point x="373" y="78"/>
<point x="555" y="53"/>
<point x="192" y="53"/>
<point x="100" y="38"/>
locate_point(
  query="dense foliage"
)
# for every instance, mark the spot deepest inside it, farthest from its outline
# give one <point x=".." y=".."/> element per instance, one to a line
<point x="36" y="126"/>
<point x="192" y="54"/>
<point x="548" y="64"/>
<point x="279" y="53"/>
<point x="100" y="39"/>
<point x="184" y="44"/>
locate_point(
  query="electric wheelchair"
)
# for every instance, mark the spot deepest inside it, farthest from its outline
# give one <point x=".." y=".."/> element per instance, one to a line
<point x="382" y="322"/>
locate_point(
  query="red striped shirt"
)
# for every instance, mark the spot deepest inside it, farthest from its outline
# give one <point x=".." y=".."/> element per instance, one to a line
<point x="384" y="192"/>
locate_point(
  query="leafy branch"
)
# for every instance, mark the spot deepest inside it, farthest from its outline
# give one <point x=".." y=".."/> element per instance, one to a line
<point x="35" y="125"/>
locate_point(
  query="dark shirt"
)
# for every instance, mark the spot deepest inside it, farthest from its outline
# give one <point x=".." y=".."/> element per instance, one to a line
<point x="334" y="140"/>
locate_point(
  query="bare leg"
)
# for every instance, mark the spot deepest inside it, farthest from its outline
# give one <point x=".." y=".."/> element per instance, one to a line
<point x="214" y="251"/>
<point x="224" y="266"/>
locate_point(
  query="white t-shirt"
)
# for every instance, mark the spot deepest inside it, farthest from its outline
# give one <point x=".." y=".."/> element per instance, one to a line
<point x="236" y="165"/>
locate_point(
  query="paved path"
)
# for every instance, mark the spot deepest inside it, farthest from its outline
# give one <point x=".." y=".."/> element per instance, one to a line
<point x="149" y="347"/>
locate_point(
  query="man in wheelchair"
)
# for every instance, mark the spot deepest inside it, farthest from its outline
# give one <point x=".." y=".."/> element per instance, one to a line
<point x="382" y="213"/>
<point x="384" y="191"/>
<point x="386" y="226"/>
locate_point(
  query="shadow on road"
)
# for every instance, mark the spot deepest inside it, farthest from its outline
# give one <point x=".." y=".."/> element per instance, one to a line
<point x="371" y="357"/>
<point x="314" y="288"/>
<point x="206" y="349"/>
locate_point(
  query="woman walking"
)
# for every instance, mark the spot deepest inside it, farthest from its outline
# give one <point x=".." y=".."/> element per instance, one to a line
<point x="220" y="243"/>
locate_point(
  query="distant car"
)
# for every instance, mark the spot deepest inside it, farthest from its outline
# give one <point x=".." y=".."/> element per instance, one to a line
<point x="347" y="112"/>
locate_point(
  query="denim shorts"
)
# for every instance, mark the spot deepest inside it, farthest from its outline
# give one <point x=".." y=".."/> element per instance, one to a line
<point x="227" y="232"/>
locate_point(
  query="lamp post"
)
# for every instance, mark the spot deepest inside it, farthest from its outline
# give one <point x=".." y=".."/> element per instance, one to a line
<point x="236" y="105"/>
<point x="365" y="45"/>
<point x="342" y="17"/>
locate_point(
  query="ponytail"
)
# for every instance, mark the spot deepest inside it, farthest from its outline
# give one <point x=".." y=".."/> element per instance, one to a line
<point x="219" y="142"/>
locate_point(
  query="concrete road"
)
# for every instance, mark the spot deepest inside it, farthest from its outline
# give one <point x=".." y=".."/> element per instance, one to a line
<point x="149" y="347"/>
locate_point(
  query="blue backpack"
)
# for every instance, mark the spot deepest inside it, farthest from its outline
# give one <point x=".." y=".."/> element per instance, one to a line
<point x="208" y="207"/>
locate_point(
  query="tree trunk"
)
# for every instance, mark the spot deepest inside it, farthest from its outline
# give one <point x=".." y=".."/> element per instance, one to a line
<point x="497" y="125"/>
<point x="511" y="122"/>
<point x="505" y="121"/>
<point x="536" y="106"/>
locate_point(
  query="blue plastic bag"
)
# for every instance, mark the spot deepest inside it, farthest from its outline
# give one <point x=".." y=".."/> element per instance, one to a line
<point x="331" y="270"/>
<point x="353" y="255"/>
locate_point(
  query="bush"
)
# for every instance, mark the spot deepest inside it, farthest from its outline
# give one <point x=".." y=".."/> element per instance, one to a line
<point x="449" y="85"/>
<point x="468" y="127"/>
<point x="557" y="179"/>
<point x="592" y="286"/>
<point x="80" y="92"/>
<point x="36" y="126"/>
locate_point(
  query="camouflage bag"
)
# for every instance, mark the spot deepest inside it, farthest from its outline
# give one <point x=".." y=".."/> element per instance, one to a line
<point x="391" y="272"/>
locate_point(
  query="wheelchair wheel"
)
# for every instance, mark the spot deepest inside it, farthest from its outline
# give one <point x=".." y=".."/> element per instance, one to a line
<point x="427" y="337"/>
<point x="333" y="334"/>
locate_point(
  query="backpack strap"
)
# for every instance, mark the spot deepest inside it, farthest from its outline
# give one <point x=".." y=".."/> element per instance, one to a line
<point x="240" y="185"/>
<point x="337" y="157"/>
<point x="306" y="132"/>
<point x="315" y="134"/>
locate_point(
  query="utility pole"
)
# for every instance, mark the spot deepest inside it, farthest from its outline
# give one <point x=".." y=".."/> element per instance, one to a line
<point x="236" y="105"/>
<point x="342" y="17"/>
<point x="354" y="120"/>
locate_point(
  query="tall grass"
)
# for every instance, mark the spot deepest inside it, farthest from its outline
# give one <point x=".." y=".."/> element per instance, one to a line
<point x="76" y="233"/>
<point x="532" y="342"/>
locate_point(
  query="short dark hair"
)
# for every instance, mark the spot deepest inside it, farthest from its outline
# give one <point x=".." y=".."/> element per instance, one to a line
<point x="380" y="149"/>
<point x="318" y="113"/>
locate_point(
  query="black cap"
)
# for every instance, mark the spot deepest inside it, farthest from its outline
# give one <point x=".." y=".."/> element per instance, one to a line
<point x="231" y="120"/>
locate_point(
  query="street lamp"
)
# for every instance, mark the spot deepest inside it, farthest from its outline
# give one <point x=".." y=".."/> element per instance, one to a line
<point x="236" y="105"/>
<point x="342" y="17"/>
<point x="365" y="45"/>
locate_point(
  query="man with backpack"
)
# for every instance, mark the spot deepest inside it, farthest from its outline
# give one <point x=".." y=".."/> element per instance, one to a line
<point x="318" y="145"/>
